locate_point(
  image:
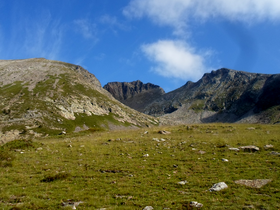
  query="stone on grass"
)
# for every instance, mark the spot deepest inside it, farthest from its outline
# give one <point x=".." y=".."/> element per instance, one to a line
<point x="156" y="139"/>
<point x="63" y="133"/>
<point x="71" y="203"/>
<point x="234" y="149"/>
<point x="249" y="148"/>
<point x="195" y="204"/>
<point x="268" y="146"/>
<point x="219" y="186"/>
<point x="257" y="183"/>
<point x="274" y="153"/>
<point x="164" y="132"/>
<point x="201" y="152"/>
<point x="251" y="128"/>
<point x="225" y="160"/>
<point x="146" y="155"/>
<point x="148" y="208"/>
<point x="182" y="182"/>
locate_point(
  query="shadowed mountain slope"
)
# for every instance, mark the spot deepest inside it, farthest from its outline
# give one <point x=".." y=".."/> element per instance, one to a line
<point x="222" y="96"/>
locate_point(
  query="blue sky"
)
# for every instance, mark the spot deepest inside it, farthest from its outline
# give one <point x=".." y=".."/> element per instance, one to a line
<point x="160" y="41"/>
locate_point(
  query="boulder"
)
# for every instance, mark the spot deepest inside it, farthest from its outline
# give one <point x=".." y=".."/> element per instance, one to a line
<point x="249" y="148"/>
<point x="219" y="186"/>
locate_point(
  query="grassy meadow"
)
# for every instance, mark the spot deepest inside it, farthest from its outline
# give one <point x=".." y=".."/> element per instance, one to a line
<point x="111" y="169"/>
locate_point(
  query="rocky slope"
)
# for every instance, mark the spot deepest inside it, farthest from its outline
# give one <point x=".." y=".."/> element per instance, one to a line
<point x="40" y="97"/>
<point x="222" y="96"/>
<point x="134" y="94"/>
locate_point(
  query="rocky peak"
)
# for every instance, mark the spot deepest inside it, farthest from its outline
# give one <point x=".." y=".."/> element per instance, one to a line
<point x="135" y="94"/>
<point x="223" y="95"/>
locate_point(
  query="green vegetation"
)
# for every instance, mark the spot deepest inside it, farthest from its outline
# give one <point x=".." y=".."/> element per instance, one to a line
<point x="198" y="105"/>
<point x="108" y="169"/>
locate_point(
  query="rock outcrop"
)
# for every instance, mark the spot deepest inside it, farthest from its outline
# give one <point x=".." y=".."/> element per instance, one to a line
<point x="136" y="95"/>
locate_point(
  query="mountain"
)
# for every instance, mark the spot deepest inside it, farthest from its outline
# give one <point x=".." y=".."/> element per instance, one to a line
<point x="136" y="95"/>
<point x="40" y="97"/>
<point x="222" y="96"/>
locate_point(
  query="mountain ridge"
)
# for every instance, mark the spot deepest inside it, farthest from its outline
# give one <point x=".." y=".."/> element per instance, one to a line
<point x="224" y="95"/>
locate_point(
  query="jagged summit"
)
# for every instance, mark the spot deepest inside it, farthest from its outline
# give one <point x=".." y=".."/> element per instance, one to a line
<point x="136" y="94"/>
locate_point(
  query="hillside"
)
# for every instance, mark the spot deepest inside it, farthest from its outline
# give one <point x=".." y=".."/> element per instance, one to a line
<point x="136" y="95"/>
<point x="41" y="97"/>
<point x="222" y="96"/>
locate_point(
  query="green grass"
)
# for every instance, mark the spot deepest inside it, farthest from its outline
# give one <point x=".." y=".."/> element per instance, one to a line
<point x="108" y="170"/>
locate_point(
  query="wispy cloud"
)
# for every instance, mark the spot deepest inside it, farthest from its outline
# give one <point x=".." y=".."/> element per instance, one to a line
<point x="44" y="38"/>
<point x="87" y="29"/>
<point x="175" y="59"/>
<point x="36" y="37"/>
<point x="178" y="13"/>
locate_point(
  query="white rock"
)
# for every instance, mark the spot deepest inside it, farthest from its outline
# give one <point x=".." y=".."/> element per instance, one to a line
<point x="196" y="204"/>
<point x="156" y="139"/>
<point x="268" y="146"/>
<point x="146" y="155"/>
<point x="148" y="208"/>
<point x="234" y="149"/>
<point x="182" y="182"/>
<point x="225" y="160"/>
<point x="219" y="186"/>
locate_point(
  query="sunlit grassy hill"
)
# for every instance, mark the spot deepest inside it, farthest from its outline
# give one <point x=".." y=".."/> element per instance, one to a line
<point x="40" y="97"/>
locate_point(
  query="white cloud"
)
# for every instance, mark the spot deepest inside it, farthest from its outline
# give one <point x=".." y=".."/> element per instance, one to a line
<point x="175" y="59"/>
<point x="177" y="13"/>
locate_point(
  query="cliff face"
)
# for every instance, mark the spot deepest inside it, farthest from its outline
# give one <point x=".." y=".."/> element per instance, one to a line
<point x="222" y="96"/>
<point x="40" y="97"/>
<point x="134" y="94"/>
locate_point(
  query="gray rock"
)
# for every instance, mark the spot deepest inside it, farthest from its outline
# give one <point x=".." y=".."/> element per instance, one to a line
<point x="274" y="153"/>
<point x="219" y="186"/>
<point x="257" y="183"/>
<point x="249" y="148"/>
